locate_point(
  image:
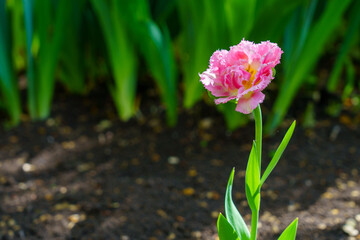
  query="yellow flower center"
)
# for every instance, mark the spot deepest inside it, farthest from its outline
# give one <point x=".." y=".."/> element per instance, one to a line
<point x="248" y="84"/>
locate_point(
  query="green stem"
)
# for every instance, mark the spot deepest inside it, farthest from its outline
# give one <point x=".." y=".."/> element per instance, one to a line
<point x="254" y="223"/>
<point x="258" y="132"/>
<point x="258" y="141"/>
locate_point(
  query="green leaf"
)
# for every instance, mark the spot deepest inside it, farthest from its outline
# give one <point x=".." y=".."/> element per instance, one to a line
<point x="240" y="16"/>
<point x="278" y="153"/>
<point x="201" y="35"/>
<point x="294" y="39"/>
<point x="232" y="214"/>
<point x="225" y="230"/>
<point x="290" y="232"/>
<point x="121" y="55"/>
<point x="258" y="133"/>
<point x="72" y="72"/>
<point x="30" y="71"/>
<point x="350" y="79"/>
<point x="49" y="51"/>
<point x="18" y="33"/>
<point x="162" y="9"/>
<point x="41" y="65"/>
<point x="252" y="180"/>
<point x="157" y="51"/>
<point x="272" y="25"/>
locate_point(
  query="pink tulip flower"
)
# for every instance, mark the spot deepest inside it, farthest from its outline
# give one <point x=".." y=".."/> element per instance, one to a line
<point x="241" y="73"/>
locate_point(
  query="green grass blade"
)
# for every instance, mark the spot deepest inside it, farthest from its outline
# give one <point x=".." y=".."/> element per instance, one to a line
<point x="232" y="214"/>
<point x="351" y="34"/>
<point x="225" y="230"/>
<point x="278" y="153"/>
<point x="311" y="52"/>
<point x="252" y="180"/>
<point x="290" y="232"/>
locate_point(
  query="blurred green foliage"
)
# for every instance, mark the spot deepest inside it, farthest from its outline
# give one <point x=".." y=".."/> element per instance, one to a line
<point x="74" y="42"/>
<point x="10" y="99"/>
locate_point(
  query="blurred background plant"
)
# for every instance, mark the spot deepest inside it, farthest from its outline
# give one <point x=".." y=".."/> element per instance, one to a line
<point x="10" y="98"/>
<point x="75" y="43"/>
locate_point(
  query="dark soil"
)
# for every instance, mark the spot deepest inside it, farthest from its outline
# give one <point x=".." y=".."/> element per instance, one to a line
<point x="83" y="174"/>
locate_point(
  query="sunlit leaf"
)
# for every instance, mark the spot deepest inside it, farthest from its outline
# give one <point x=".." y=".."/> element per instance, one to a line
<point x="156" y="48"/>
<point x="278" y="153"/>
<point x="225" y="230"/>
<point x="252" y="180"/>
<point x="290" y="232"/>
<point x="232" y="214"/>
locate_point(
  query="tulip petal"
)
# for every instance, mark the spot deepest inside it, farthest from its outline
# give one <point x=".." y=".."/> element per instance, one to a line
<point x="247" y="105"/>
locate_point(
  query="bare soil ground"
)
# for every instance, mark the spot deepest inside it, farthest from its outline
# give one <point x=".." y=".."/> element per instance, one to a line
<point x="82" y="174"/>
